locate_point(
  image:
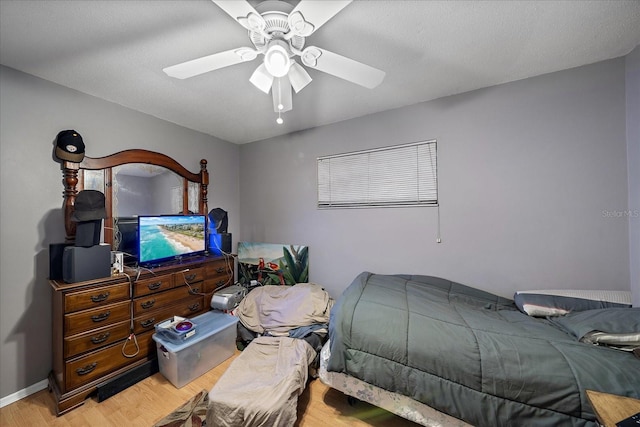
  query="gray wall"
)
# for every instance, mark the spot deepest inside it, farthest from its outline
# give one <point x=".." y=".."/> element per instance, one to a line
<point x="33" y="111"/>
<point x="633" y="161"/>
<point x="526" y="172"/>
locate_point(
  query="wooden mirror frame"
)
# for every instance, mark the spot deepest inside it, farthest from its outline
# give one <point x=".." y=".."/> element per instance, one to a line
<point x="72" y="184"/>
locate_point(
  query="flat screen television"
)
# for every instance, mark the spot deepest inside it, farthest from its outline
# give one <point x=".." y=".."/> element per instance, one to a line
<point x="164" y="238"/>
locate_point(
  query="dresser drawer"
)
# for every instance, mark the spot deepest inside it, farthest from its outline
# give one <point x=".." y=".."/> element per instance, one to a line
<point x="154" y="284"/>
<point x="221" y="267"/>
<point x="219" y="275"/>
<point x="94" y="365"/>
<point x="187" y="308"/>
<point x="83" y="321"/>
<point x="95" y="339"/>
<point x="96" y="297"/>
<point x="193" y="275"/>
<point x="160" y="300"/>
<point x="212" y="285"/>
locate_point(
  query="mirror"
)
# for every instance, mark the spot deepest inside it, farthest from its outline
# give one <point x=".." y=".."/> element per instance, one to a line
<point x="140" y="189"/>
<point x="135" y="182"/>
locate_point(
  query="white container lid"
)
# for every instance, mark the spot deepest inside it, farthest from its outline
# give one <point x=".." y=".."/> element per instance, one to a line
<point x="208" y="324"/>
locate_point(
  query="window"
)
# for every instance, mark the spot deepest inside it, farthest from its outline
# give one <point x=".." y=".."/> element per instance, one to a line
<point x="401" y="175"/>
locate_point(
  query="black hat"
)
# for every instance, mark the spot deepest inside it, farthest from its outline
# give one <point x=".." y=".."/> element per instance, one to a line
<point x="89" y="206"/>
<point x="70" y="146"/>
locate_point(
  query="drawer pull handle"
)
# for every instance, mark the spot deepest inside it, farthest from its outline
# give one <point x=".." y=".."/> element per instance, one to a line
<point x="148" y="322"/>
<point x="220" y="283"/>
<point x="194" y="291"/>
<point x="154" y="286"/>
<point x="100" y="317"/>
<point x="190" y="277"/>
<point x="100" y="298"/>
<point x="100" y="338"/>
<point x="194" y="307"/>
<point x="148" y="304"/>
<point x="220" y="270"/>
<point x="87" y="369"/>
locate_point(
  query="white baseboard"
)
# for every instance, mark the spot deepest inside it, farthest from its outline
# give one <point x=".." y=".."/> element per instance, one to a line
<point x="21" y="394"/>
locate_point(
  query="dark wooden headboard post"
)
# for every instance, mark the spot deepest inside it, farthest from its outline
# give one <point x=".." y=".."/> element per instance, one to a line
<point x="70" y="173"/>
<point x="204" y="184"/>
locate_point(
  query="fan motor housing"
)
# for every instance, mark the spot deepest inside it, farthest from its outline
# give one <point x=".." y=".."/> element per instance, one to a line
<point x="275" y="14"/>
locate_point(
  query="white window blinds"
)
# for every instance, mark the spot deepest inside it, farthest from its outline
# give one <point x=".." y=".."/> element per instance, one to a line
<point x="401" y="175"/>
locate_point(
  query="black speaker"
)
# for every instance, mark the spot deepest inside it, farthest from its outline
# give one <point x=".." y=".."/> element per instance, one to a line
<point x="226" y="242"/>
<point x="56" y="250"/>
<point x="220" y="243"/>
<point x="80" y="264"/>
<point x="129" y="378"/>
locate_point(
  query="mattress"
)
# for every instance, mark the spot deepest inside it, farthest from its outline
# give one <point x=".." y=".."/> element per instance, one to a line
<point x="396" y="403"/>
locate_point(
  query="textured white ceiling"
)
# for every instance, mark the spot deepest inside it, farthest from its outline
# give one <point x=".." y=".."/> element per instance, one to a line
<point x="116" y="50"/>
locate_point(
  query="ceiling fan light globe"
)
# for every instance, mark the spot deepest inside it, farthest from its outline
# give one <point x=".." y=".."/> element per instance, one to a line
<point x="298" y="77"/>
<point x="277" y="61"/>
<point x="262" y="79"/>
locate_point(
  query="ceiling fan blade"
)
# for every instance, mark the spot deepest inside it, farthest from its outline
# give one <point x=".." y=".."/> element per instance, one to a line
<point x="211" y="62"/>
<point x="341" y="66"/>
<point x="298" y="76"/>
<point x="308" y="16"/>
<point x="244" y="13"/>
<point x="281" y="91"/>
<point x="262" y="79"/>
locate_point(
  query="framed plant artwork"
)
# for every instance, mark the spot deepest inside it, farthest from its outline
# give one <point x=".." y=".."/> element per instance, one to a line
<point x="272" y="263"/>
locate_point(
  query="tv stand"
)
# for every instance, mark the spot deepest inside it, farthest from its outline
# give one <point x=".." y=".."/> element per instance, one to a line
<point x="93" y="321"/>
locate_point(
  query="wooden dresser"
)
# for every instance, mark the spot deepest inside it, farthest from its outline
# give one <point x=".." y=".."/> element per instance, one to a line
<point x="93" y="321"/>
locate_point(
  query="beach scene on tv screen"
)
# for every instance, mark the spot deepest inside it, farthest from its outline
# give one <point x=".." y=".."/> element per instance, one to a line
<point x="166" y="237"/>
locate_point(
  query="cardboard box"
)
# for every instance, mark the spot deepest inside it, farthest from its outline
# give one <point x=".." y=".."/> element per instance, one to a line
<point x="213" y="343"/>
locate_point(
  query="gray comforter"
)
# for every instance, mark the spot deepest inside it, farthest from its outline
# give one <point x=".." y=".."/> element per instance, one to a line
<point x="471" y="354"/>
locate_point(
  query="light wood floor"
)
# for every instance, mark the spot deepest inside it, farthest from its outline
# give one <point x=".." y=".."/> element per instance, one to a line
<point x="151" y="399"/>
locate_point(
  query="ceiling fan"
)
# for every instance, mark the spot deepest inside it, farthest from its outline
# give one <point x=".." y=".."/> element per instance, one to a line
<point x="278" y="30"/>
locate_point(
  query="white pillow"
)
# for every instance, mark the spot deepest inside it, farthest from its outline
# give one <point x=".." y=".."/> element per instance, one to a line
<point x="558" y="302"/>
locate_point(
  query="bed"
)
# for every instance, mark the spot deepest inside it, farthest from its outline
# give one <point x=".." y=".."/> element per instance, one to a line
<point x="444" y="354"/>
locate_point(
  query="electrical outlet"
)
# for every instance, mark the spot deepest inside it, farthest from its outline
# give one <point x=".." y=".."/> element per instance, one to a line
<point x="117" y="262"/>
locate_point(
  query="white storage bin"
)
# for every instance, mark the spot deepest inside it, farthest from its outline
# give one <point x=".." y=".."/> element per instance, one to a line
<point x="213" y="343"/>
